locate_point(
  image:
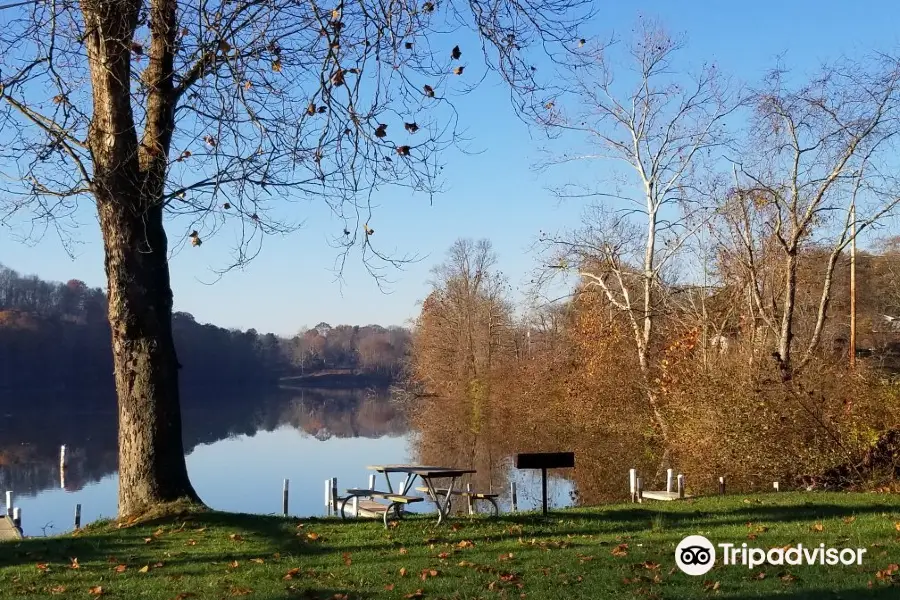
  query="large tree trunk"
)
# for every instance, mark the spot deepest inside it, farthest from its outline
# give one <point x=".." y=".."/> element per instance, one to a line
<point x="128" y="183"/>
<point x="151" y="452"/>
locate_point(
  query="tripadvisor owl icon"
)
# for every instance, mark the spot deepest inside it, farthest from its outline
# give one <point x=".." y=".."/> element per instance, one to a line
<point x="695" y="555"/>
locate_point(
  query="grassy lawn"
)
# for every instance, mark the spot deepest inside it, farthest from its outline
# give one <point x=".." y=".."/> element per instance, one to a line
<point x="617" y="551"/>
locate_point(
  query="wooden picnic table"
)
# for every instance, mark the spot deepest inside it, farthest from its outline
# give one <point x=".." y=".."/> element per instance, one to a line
<point x="427" y="474"/>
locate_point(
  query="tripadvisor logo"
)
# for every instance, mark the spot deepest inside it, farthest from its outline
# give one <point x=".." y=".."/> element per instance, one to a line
<point x="696" y="555"/>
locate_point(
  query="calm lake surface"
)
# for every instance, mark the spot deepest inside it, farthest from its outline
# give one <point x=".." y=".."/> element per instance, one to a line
<point x="239" y="448"/>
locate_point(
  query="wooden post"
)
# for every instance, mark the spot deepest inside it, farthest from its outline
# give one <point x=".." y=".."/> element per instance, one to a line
<point x="328" y="497"/>
<point x="632" y="484"/>
<point x="721" y="486"/>
<point x="63" y="461"/>
<point x="372" y="481"/>
<point x="9" y="505"/>
<point x="77" y="516"/>
<point x="17" y="518"/>
<point x="515" y="498"/>
<point x="775" y="485"/>
<point x="284" y="497"/>
<point x="669" y="480"/>
<point x="469" y="503"/>
<point x="639" y="485"/>
<point x="680" y="486"/>
<point x="334" y="496"/>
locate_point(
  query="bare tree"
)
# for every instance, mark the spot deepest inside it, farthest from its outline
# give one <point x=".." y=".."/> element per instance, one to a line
<point x="817" y="174"/>
<point x="225" y="111"/>
<point x="660" y="125"/>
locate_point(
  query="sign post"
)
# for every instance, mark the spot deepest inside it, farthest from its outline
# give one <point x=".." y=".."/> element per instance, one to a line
<point x="544" y="461"/>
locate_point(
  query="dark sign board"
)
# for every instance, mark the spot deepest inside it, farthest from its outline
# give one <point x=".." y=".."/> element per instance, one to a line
<point x="545" y="460"/>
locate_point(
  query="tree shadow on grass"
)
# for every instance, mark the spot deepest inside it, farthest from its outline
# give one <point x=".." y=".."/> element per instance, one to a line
<point x="880" y="593"/>
<point x="105" y="542"/>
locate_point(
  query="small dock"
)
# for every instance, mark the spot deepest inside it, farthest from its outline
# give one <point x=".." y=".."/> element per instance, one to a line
<point x="8" y="531"/>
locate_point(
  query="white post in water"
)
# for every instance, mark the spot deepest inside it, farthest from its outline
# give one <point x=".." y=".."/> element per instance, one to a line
<point x="328" y="497"/>
<point x="372" y="481"/>
<point x="77" y="516"/>
<point x="284" y="497"/>
<point x="63" y="461"/>
<point x="9" y="506"/>
<point x="775" y="485"/>
<point x="669" y="480"/>
<point x="17" y="518"/>
<point x="514" y="496"/>
<point x="632" y="484"/>
<point x="680" y="485"/>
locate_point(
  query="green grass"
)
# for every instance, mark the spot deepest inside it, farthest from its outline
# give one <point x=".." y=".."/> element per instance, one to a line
<point x="578" y="553"/>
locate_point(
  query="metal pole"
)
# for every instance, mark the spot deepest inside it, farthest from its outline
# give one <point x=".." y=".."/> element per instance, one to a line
<point x="77" y="516"/>
<point x="515" y="498"/>
<point x="544" y="491"/>
<point x="284" y="497"/>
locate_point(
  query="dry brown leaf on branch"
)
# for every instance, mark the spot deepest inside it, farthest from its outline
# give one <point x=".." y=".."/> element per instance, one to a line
<point x="411" y="127"/>
<point x="381" y="131"/>
<point x="458" y="70"/>
<point x="403" y="150"/>
<point x="429" y="91"/>
<point x="455" y="53"/>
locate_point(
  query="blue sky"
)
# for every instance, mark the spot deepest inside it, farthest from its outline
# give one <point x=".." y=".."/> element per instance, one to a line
<point x="496" y="193"/>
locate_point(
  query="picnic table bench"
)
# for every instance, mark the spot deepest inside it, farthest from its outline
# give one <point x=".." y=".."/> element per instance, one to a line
<point x="395" y="501"/>
<point x="488" y="497"/>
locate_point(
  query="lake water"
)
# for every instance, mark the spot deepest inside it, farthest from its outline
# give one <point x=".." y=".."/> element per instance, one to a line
<point x="239" y="448"/>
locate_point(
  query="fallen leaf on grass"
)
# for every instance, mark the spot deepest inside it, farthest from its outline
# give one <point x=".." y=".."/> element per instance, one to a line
<point x="144" y="569"/>
<point x="42" y="567"/>
<point x="760" y="575"/>
<point x="258" y="561"/>
<point x="466" y="544"/>
<point x="620" y="550"/>
<point x="711" y="585"/>
<point x="507" y="556"/>
<point x="235" y="537"/>
<point x="191" y="543"/>
<point x="158" y="565"/>
<point x="403" y="551"/>
<point x="415" y="594"/>
<point x="818" y="527"/>
<point x="389" y="587"/>
<point x="887" y="571"/>
<point x="443" y="555"/>
<point x="234" y="564"/>
<point x="403" y="572"/>
<point x="426" y="573"/>
<point x="312" y="536"/>
<point x="185" y="595"/>
<point x="60" y="589"/>
<point x="97" y="590"/>
<point x="346" y="558"/>
<point x="650" y="566"/>
<point x="121" y="568"/>
<point x="74" y="564"/>
<point x="787" y="577"/>
<point x="148" y="540"/>
<point x="849" y="520"/>
<point x="240" y="591"/>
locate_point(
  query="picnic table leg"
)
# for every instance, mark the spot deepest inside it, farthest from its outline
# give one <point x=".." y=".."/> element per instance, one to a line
<point x="441" y="506"/>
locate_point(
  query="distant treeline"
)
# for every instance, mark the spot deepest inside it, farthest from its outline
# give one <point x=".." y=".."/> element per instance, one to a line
<point x="55" y="335"/>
